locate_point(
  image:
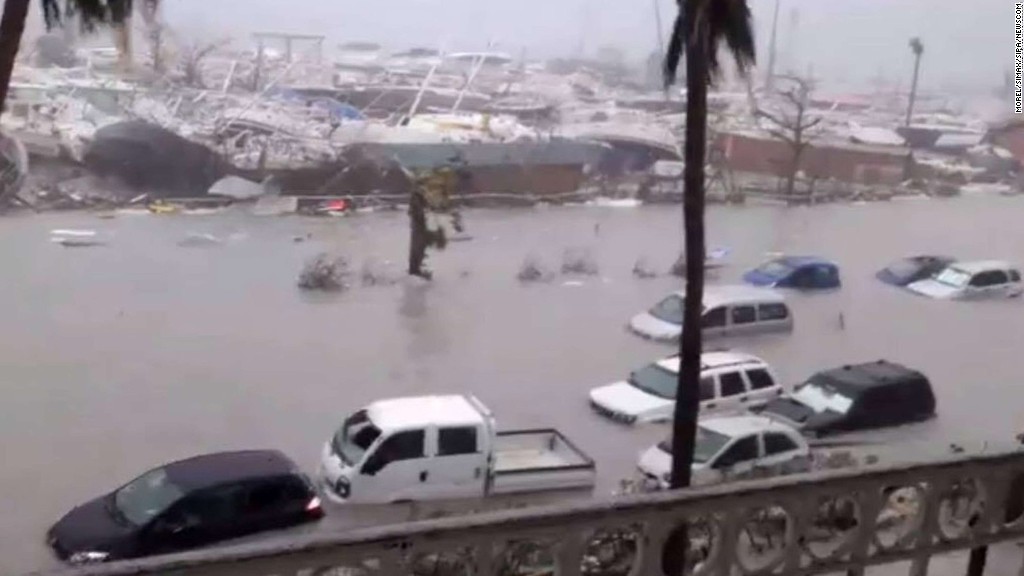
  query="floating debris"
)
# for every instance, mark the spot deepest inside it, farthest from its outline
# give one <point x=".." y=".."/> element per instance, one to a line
<point x="195" y="239"/>
<point x="325" y="273"/>
<point x="78" y="242"/>
<point x="76" y="238"/>
<point x="72" y="232"/>
<point x="579" y="261"/>
<point x="642" y="269"/>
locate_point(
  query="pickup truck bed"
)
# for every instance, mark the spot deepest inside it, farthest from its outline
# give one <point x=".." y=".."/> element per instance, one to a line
<point x="536" y="460"/>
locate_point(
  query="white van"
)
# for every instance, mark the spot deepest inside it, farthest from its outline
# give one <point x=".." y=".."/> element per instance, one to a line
<point x="728" y="311"/>
<point x="729" y="381"/>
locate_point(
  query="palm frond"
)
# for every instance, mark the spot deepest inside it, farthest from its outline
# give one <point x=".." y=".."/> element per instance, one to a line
<point x="725" y="22"/>
<point x="90" y="13"/>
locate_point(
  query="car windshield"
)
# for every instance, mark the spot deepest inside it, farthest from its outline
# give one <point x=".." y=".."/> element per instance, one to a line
<point x="821" y="397"/>
<point x="904" y="268"/>
<point x="669" y="310"/>
<point x="656" y="380"/>
<point x="708" y="444"/>
<point x="775" y="268"/>
<point x="953" y="277"/>
<point x="355" y="437"/>
<point x="146" y="497"/>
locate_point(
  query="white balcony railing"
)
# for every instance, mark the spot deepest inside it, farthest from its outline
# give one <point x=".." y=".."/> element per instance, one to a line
<point x="801" y="525"/>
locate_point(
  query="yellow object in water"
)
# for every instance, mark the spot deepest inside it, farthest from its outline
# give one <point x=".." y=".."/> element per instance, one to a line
<point x="162" y="208"/>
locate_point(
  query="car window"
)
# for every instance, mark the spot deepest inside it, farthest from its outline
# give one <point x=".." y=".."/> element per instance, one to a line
<point x="669" y="310"/>
<point x="454" y="441"/>
<point x="760" y="379"/>
<point x="742" y="451"/>
<point x="732" y="384"/>
<point x="776" y="443"/>
<point x="775" y="311"/>
<point x="1014" y="276"/>
<point x="714" y="318"/>
<point x="212" y="506"/>
<point x="707" y="388"/>
<point x="743" y="315"/>
<point x="401" y="446"/>
<point x="989" y="278"/>
<point x="265" y="497"/>
<point x="825" y="275"/>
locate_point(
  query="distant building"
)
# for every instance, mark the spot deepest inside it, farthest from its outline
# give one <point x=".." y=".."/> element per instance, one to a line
<point x="1009" y="135"/>
<point x="823" y="160"/>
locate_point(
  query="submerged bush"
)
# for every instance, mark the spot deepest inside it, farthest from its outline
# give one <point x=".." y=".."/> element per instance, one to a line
<point x="325" y="273"/>
<point x="579" y="261"/>
<point x="533" y="270"/>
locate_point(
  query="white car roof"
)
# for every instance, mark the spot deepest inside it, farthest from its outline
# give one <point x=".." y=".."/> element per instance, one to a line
<point x="975" y="266"/>
<point x="734" y="426"/>
<point x="712" y="360"/>
<point x="423" y="411"/>
<point x="737" y="294"/>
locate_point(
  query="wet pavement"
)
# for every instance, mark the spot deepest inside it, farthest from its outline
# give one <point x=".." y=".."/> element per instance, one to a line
<point x="122" y="357"/>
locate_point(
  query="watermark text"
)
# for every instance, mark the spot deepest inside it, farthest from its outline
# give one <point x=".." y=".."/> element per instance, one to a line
<point x="1018" y="58"/>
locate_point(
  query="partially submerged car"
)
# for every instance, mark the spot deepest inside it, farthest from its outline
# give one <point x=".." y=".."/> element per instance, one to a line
<point x="856" y="397"/>
<point x="798" y="272"/>
<point x="730" y="447"/>
<point x="980" y="280"/>
<point x="188" y="504"/>
<point x="728" y="311"/>
<point x="912" y="269"/>
<point x="728" y="381"/>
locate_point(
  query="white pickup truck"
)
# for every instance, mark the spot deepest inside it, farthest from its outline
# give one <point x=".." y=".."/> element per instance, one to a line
<point x="442" y="448"/>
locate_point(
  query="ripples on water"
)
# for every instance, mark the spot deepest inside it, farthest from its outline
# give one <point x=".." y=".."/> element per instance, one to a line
<point x="122" y="357"/>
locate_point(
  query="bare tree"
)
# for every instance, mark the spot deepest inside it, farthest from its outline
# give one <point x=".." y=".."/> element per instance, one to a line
<point x="792" y="125"/>
<point x="191" y="61"/>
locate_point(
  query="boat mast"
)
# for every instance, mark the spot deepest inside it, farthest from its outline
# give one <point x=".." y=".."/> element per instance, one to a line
<point x="426" y="82"/>
<point x="478" y="65"/>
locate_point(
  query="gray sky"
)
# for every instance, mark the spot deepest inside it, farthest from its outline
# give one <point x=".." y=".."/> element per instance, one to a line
<point x="965" y="42"/>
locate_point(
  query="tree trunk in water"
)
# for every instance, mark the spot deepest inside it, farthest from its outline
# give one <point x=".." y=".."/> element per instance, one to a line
<point x="684" y="425"/>
<point x="12" y="25"/>
<point x="419" y="236"/>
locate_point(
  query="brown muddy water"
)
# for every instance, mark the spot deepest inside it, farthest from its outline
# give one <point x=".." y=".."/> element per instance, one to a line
<point x="122" y="357"/>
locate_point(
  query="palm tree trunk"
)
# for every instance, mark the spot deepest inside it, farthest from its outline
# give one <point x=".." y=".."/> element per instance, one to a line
<point x="684" y="423"/>
<point x="12" y="25"/>
<point x="684" y="427"/>
<point x="913" y="88"/>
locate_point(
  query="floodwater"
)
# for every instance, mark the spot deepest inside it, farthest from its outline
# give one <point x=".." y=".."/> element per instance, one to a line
<point x="122" y="357"/>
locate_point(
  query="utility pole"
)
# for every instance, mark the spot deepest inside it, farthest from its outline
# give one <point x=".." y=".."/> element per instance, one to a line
<point x="769" y="81"/>
<point x="657" y="22"/>
<point x="917" y="48"/>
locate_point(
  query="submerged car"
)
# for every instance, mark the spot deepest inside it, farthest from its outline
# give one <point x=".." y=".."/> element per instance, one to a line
<point x="798" y="272"/>
<point x="728" y="381"/>
<point x="728" y="311"/>
<point x="729" y="447"/>
<point x="858" y="397"/>
<point x="187" y="504"/>
<point x="912" y="269"/>
<point x="981" y="280"/>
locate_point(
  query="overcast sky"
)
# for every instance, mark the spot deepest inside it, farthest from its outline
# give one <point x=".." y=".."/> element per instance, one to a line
<point x="966" y="42"/>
